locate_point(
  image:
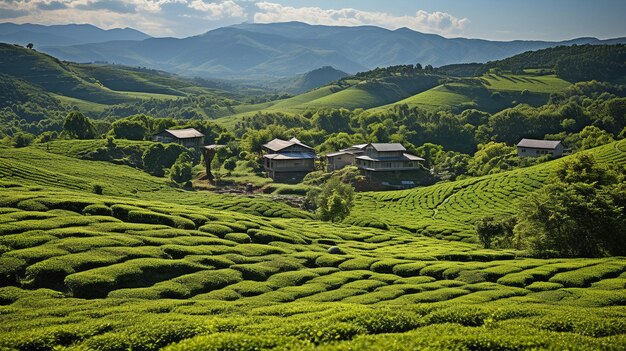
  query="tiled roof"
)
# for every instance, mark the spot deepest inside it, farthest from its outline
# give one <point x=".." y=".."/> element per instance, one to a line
<point x="539" y="144"/>
<point x="388" y="147"/>
<point x="279" y="144"/>
<point x="187" y="133"/>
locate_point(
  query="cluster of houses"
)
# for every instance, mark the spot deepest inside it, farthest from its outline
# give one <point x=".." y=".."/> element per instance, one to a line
<point x="383" y="162"/>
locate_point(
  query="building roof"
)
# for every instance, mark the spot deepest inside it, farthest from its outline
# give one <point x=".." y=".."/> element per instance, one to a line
<point x="539" y="144"/>
<point x="339" y="153"/>
<point x="279" y="144"/>
<point x="213" y="146"/>
<point x="388" y="147"/>
<point x="291" y="156"/>
<point x="187" y="133"/>
<point x="404" y="157"/>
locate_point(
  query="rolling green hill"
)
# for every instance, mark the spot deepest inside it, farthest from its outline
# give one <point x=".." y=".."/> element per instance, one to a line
<point x="146" y="267"/>
<point x="490" y="92"/>
<point x="85" y="84"/>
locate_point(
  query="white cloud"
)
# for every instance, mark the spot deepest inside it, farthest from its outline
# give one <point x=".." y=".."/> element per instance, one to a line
<point x="435" y="22"/>
<point x="218" y="10"/>
<point x="191" y="17"/>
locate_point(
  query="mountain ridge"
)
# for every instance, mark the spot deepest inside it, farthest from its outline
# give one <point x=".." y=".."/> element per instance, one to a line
<point x="276" y="50"/>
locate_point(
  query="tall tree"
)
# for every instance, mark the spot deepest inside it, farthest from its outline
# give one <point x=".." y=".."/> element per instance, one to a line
<point x="77" y="126"/>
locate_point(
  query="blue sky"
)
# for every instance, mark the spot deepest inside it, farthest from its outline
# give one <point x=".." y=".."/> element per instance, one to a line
<point x="487" y="19"/>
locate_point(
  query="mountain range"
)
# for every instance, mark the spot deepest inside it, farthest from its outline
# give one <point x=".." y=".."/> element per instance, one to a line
<point x="64" y="35"/>
<point x="270" y="51"/>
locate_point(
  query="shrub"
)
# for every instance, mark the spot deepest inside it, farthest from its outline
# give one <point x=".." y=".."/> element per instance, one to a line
<point x="97" y="189"/>
<point x="241" y="238"/>
<point x="214" y="228"/>
<point x="158" y="218"/>
<point x="97" y="210"/>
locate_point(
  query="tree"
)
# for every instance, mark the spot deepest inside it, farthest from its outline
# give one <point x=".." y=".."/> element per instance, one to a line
<point x="580" y="214"/>
<point x="230" y="164"/>
<point x="592" y="136"/>
<point x="22" y="139"/>
<point x="128" y="129"/>
<point x="496" y="230"/>
<point x="77" y="126"/>
<point x="182" y="170"/>
<point x="335" y="200"/>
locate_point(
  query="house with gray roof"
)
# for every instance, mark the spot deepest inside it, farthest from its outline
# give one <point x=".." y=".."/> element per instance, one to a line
<point x="386" y="164"/>
<point x="188" y="137"/>
<point x="285" y="159"/>
<point x="387" y="157"/>
<point x="536" y="148"/>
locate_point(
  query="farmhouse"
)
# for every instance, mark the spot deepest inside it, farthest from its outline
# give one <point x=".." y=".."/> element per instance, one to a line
<point x="536" y="148"/>
<point x="288" y="158"/>
<point x="188" y="137"/>
<point x="344" y="157"/>
<point x="383" y="164"/>
<point x="386" y="157"/>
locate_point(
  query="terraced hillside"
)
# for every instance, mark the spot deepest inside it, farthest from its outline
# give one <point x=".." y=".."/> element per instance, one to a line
<point x="481" y="93"/>
<point x="146" y="267"/>
<point x="449" y="210"/>
<point x="40" y="167"/>
<point x="104" y="273"/>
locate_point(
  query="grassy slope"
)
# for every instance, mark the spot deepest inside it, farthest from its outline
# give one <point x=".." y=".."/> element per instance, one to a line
<point x="32" y="166"/>
<point x="477" y="93"/>
<point x="90" y="87"/>
<point x="449" y="210"/>
<point x="351" y="94"/>
<point x="138" y="273"/>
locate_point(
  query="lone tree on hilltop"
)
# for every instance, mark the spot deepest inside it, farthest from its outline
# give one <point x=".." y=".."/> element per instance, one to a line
<point x="77" y="126"/>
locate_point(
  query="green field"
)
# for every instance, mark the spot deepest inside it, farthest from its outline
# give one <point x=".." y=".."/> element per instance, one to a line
<point x="146" y="266"/>
<point x="478" y="93"/>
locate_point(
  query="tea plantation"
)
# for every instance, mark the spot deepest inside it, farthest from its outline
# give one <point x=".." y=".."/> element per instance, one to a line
<point x="148" y="267"/>
<point x="449" y="210"/>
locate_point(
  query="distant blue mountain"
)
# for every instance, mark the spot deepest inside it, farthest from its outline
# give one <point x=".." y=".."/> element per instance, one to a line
<point x="64" y="35"/>
<point x="287" y="49"/>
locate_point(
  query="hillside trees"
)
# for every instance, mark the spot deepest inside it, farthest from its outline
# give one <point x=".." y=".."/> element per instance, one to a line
<point x="335" y="200"/>
<point x="182" y="169"/>
<point x="581" y="214"/>
<point x="159" y="157"/>
<point x="77" y="126"/>
<point x="128" y="129"/>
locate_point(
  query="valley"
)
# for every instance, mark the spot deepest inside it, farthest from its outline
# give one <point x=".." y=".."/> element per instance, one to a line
<point x="310" y="187"/>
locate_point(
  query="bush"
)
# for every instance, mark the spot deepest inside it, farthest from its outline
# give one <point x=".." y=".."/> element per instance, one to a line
<point x="98" y="189"/>
<point x="241" y="238"/>
<point x="97" y="210"/>
<point x="22" y="139"/>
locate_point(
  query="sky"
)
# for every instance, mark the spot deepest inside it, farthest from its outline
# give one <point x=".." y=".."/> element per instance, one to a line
<point x="485" y="19"/>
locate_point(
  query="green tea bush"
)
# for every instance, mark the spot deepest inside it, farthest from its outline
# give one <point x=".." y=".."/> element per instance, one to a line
<point x="232" y="342"/>
<point x="31" y="205"/>
<point x="360" y="263"/>
<point x="140" y="272"/>
<point x="157" y="218"/>
<point x="97" y="210"/>
<point x="217" y="229"/>
<point x="385" y="266"/>
<point x="543" y="286"/>
<point x="262" y="236"/>
<point x="408" y="269"/>
<point x="240" y="238"/>
<point x="583" y="277"/>
<point x="328" y="260"/>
